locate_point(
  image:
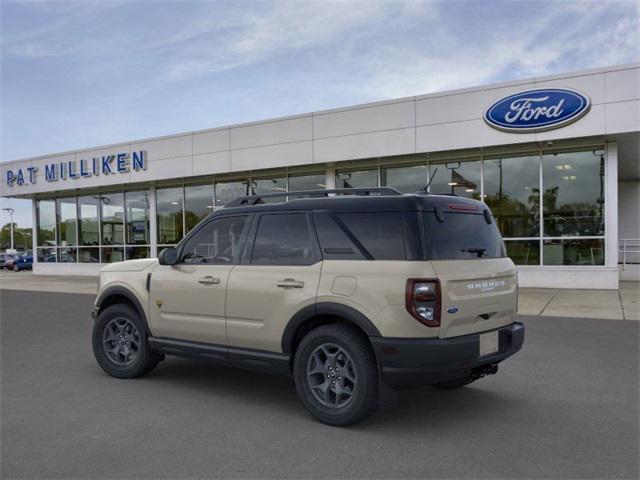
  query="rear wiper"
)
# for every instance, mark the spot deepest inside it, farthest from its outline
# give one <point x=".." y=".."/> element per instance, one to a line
<point x="478" y="250"/>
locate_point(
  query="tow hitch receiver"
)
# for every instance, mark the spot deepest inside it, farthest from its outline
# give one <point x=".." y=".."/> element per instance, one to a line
<point x="484" y="370"/>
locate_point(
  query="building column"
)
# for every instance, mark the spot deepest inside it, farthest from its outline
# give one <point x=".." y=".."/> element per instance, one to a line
<point x="153" y="225"/>
<point x="34" y="231"/>
<point x="330" y="177"/>
<point x="611" y="205"/>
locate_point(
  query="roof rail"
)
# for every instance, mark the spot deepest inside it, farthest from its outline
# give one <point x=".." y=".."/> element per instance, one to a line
<point x="258" y="199"/>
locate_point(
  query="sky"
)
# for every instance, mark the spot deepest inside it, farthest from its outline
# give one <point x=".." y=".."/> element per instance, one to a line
<point x="86" y="73"/>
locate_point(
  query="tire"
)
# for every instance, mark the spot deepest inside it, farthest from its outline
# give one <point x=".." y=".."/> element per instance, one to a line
<point x="120" y="327"/>
<point x="455" y="383"/>
<point x="16" y="268"/>
<point x="318" y="361"/>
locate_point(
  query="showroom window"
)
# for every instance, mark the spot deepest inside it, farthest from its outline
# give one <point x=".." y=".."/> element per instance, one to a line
<point x="88" y="229"/>
<point x="410" y="179"/>
<point x="46" y="230"/>
<point x="228" y="191"/>
<point x="573" y="195"/>
<point x="460" y="178"/>
<point x="170" y="220"/>
<point x="67" y="223"/>
<point x="357" y="178"/>
<point x="312" y="181"/>
<point x="269" y="185"/>
<point x="137" y="225"/>
<point x="512" y="191"/>
<point x="112" y="227"/>
<point x="573" y="207"/>
<point x="198" y="203"/>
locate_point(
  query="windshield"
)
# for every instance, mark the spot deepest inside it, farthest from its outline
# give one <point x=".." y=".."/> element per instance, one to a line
<point x="462" y="236"/>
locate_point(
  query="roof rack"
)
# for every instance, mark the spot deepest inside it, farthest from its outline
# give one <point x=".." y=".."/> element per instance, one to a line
<point x="258" y="199"/>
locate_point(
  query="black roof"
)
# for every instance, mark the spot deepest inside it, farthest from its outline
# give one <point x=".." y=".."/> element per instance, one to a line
<point x="384" y="202"/>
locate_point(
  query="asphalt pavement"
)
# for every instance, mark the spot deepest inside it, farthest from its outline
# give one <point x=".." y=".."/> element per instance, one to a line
<point x="566" y="406"/>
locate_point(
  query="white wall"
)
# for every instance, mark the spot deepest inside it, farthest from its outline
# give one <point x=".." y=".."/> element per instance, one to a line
<point x="568" y="277"/>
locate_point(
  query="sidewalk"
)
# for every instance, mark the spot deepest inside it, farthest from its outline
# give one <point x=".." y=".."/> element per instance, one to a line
<point x="623" y="304"/>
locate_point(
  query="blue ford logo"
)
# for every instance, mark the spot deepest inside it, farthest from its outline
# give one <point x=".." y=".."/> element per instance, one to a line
<point x="452" y="310"/>
<point x="537" y="110"/>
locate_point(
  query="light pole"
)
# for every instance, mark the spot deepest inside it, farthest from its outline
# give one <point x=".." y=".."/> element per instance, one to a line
<point x="11" y="212"/>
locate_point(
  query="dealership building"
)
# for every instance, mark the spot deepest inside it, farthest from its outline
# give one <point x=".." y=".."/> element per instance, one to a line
<point x="556" y="158"/>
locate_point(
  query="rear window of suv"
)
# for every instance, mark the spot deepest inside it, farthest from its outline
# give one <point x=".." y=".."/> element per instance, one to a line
<point x="462" y="236"/>
<point x="379" y="233"/>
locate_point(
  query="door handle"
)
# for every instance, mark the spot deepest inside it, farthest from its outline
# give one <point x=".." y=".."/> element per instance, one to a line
<point x="290" y="283"/>
<point x="209" y="280"/>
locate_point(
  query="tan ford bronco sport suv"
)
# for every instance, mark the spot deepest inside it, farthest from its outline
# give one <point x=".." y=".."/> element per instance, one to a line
<point x="351" y="292"/>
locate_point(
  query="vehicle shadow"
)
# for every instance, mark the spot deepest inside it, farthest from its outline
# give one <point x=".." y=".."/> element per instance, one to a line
<point x="422" y="408"/>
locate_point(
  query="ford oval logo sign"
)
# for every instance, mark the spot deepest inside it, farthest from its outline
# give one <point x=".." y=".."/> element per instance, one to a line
<point x="537" y="110"/>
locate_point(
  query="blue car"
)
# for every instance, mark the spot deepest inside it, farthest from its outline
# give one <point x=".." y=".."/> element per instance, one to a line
<point x="23" y="262"/>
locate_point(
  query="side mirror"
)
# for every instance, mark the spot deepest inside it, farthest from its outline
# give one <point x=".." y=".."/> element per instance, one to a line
<point x="168" y="256"/>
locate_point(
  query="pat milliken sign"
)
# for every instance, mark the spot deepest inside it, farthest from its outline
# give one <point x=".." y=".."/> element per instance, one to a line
<point x="537" y="110"/>
<point x="105" y="165"/>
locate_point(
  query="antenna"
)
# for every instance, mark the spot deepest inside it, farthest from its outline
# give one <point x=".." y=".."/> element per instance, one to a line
<point x="426" y="187"/>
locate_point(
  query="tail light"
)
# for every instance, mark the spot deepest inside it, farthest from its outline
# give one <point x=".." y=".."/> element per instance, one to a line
<point x="423" y="301"/>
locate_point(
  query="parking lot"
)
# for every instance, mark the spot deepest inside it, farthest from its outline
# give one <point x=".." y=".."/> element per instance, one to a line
<point x="566" y="406"/>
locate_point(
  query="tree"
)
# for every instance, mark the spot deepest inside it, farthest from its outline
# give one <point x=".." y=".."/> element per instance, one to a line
<point x="21" y="237"/>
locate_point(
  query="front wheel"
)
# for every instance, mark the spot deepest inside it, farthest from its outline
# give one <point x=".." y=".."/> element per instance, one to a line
<point x="16" y="268"/>
<point x="336" y="375"/>
<point x="120" y="343"/>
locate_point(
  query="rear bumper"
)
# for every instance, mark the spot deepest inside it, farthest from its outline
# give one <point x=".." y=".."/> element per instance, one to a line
<point x="408" y="363"/>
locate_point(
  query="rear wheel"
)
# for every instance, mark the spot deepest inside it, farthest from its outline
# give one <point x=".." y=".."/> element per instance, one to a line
<point x="120" y="343"/>
<point x="336" y="375"/>
<point x="16" y="268"/>
<point x="455" y="383"/>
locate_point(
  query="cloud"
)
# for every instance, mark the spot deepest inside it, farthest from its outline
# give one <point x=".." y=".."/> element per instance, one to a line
<point x="526" y="47"/>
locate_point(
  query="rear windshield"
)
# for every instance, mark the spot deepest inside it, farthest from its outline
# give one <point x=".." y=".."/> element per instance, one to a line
<point x="462" y="236"/>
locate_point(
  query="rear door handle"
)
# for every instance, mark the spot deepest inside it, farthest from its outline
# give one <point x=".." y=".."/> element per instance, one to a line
<point x="290" y="283"/>
<point x="209" y="280"/>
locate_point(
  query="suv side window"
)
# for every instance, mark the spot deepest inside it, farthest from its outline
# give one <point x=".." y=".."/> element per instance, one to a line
<point x="334" y="241"/>
<point x="216" y="242"/>
<point x="381" y="233"/>
<point x="283" y="239"/>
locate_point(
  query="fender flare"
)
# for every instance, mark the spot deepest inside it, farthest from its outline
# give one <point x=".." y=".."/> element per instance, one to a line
<point x="325" y="308"/>
<point x="122" y="291"/>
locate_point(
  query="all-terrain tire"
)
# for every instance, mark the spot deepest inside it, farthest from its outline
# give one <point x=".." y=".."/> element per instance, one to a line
<point x="356" y="384"/>
<point x="120" y="344"/>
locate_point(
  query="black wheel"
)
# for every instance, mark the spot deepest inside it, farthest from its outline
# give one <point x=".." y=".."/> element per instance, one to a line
<point x="120" y="343"/>
<point x="16" y="268"/>
<point x="455" y="383"/>
<point x="336" y="375"/>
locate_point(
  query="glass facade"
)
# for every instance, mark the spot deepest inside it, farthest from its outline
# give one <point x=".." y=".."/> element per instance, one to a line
<point x="357" y="178"/>
<point x="549" y="205"/>
<point x="573" y="195"/>
<point x="564" y="227"/>
<point x="409" y="179"/>
<point x="46" y="218"/>
<point x="227" y="191"/>
<point x="67" y="213"/>
<point x="198" y="203"/>
<point x="313" y="181"/>
<point x="512" y="191"/>
<point x="456" y="178"/>
<point x="137" y="218"/>
<point x="94" y="228"/>
<point x="112" y="219"/>
<point x="170" y="219"/>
